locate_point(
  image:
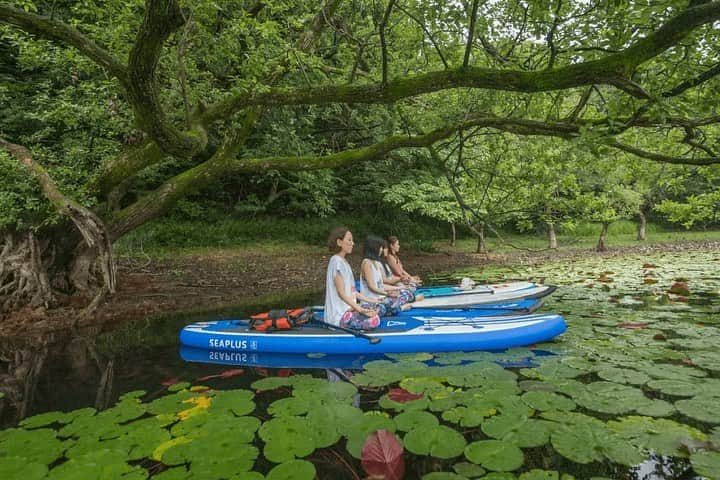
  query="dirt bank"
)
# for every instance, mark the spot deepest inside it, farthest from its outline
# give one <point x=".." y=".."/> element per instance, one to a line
<point x="225" y="277"/>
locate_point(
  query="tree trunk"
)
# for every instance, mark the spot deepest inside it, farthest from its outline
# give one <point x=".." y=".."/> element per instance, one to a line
<point x="481" y="247"/>
<point x="641" y="226"/>
<point x="453" y="234"/>
<point x="552" y="236"/>
<point x="601" y="241"/>
<point x="39" y="269"/>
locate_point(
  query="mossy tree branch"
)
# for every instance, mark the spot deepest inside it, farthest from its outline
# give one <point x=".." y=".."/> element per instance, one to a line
<point x="614" y="69"/>
<point x="52" y="29"/>
<point x="162" y="18"/>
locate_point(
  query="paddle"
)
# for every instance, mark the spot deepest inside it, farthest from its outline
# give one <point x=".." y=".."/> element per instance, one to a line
<point x="372" y="340"/>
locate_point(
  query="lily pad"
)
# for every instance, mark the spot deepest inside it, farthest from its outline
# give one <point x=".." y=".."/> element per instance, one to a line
<point x="518" y="430"/>
<point x="292" y="470"/>
<point x="703" y="408"/>
<point x="45" y="419"/>
<point x="286" y="438"/>
<point x="623" y="375"/>
<point x="495" y="455"/>
<point x="665" y="437"/>
<point x="469" y="470"/>
<point x="407" y="421"/>
<point x="439" y="441"/>
<point x="543" y="401"/>
<point x="18" y="467"/>
<point x="36" y="446"/>
<point x="468" y="416"/>
<point x="706" y="464"/>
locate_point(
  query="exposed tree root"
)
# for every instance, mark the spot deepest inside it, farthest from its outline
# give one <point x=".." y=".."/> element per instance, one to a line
<point x="27" y="267"/>
<point x="24" y="272"/>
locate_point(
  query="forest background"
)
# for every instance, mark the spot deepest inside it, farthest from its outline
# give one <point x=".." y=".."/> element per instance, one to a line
<point x="150" y="127"/>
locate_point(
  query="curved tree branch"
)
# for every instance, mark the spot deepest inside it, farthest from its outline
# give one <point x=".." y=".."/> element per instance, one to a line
<point x="658" y="157"/>
<point x="162" y="17"/>
<point x="614" y="69"/>
<point x="56" y="30"/>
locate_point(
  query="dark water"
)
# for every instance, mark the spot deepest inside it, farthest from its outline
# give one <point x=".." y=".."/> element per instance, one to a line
<point x="616" y="323"/>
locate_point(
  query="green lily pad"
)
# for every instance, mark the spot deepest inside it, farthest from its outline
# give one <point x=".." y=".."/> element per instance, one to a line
<point x="469" y="470"/>
<point x="176" y="387"/>
<point x="706" y="464"/>
<point x="495" y="455"/>
<point x="271" y="383"/>
<point x="439" y="441"/>
<point x="677" y="387"/>
<point x="590" y="441"/>
<point x="543" y="401"/>
<point x="537" y="474"/>
<point x="468" y="416"/>
<point x="290" y="406"/>
<point x="703" y="408"/>
<point x="656" y="408"/>
<point x="608" y="397"/>
<point x="18" y="467"/>
<point x="37" y="446"/>
<point x="665" y="437"/>
<point x="240" y="402"/>
<point x="623" y="375"/>
<point x="518" y="430"/>
<point x="407" y="421"/>
<point x="98" y="464"/>
<point x="443" y="476"/>
<point x="45" y="419"/>
<point x="241" y="428"/>
<point x="292" y="470"/>
<point x="286" y="438"/>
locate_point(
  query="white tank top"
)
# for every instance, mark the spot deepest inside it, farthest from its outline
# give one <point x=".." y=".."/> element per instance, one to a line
<point x="377" y="280"/>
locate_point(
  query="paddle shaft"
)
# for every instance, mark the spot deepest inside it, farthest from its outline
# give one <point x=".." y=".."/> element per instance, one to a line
<point x="372" y="340"/>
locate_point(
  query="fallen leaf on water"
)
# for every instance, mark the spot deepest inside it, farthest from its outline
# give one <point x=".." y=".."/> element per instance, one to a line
<point x="401" y="395"/>
<point x="680" y="288"/>
<point x="226" y="374"/>
<point x="649" y="265"/>
<point x="382" y="456"/>
<point x="633" y="325"/>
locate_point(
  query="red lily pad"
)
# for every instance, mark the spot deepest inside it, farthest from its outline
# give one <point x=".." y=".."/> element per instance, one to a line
<point x="401" y="395"/>
<point x="382" y="456"/>
<point x="680" y="288"/>
<point x="659" y="336"/>
<point x="649" y="265"/>
<point x="226" y="374"/>
<point x="633" y="325"/>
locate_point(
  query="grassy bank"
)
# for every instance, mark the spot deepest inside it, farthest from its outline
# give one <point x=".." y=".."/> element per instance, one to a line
<point x="170" y="238"/>
<point x="620" y="234"/>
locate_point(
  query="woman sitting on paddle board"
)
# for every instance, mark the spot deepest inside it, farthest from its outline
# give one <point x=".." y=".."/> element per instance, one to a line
<point x="395" y="264"/>
<point x="341" y="298"/>
<point x="392" y="299"/>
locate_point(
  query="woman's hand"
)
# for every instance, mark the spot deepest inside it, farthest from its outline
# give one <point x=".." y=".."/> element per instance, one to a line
<point x="391" y="293"/>
<point x="368" y="312"/>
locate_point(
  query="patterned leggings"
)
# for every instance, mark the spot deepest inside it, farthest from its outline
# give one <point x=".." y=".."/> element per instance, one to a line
<point x="358" y="321"/>
<point x="392" y="305"/>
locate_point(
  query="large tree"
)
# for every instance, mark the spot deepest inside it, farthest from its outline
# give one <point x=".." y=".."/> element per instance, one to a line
<point x="120" y="109"/>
